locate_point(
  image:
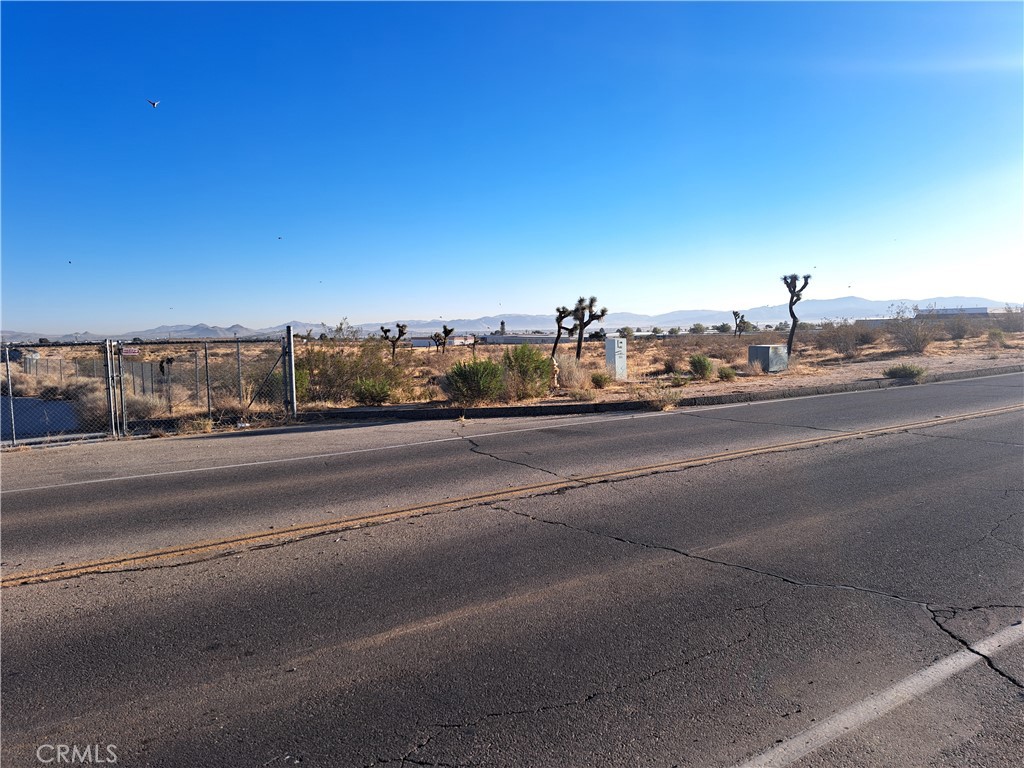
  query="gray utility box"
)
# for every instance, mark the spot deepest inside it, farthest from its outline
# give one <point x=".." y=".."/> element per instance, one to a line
<point x="771" y="357"/>
<point x="615" y="357"/>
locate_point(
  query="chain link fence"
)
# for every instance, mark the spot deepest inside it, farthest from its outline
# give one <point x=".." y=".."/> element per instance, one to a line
<point x="115" y="389"/>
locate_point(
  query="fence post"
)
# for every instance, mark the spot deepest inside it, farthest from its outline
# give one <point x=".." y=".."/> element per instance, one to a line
<point x="195" y="359"/>
<point x="10" y="391"/>
<point x="288" y="374"/>
<point x="108" y="369"/>
<point x="120" y="380"/>
<point x="209" y="398"/>
<point x="238" y="357"/>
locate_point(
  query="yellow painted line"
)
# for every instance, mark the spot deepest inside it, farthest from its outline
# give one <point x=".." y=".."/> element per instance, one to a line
<point x="262" y="539"/>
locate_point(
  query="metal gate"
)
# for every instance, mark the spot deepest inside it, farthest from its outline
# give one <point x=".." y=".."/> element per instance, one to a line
<point x="57" y="392"/>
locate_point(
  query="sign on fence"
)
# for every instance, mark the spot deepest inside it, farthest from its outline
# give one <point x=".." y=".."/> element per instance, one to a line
<point x="129" y="350"/>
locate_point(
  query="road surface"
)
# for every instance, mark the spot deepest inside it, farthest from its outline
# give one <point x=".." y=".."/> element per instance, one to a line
<point x="826" y="581"/>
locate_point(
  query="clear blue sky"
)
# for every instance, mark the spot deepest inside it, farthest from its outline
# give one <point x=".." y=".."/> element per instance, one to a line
<point x="379" y="161"/>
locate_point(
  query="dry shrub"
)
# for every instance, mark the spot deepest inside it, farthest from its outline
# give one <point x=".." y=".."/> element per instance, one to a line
<point x="676" y="363"/>
<point x="197" y="426"/>
<point x="75" y="389"/>
<point x="582" y="395"/>
<point x="142" y="406"/>
<point x="910" y="334"/>
<point x="751" y="369"/>
<point x="962" y="327"/>
<point x="866" y="334"/>
<point x="1011" y="319"/>
<point x="93" y="409"/>
<point x="655" y="393"/>
<point x="996" y="338"/>
<point x="840" y="336"/>
<point x="571" y="375"/>
<point x="22" y="385"/>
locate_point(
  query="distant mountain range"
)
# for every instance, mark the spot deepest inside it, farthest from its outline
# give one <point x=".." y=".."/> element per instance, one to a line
<point x="810" y="310"/>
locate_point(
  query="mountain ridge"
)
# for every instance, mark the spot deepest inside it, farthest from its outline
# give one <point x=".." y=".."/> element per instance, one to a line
<point x="809" y="310"/>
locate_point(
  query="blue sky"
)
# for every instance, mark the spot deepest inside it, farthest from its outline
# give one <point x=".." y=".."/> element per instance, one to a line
<point x="377" y="161"/>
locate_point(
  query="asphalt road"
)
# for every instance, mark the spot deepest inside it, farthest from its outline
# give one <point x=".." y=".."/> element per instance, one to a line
<point x="826" y="581"/>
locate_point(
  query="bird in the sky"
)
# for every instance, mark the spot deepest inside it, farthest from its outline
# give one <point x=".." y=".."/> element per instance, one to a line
<point x="153" y="103"/>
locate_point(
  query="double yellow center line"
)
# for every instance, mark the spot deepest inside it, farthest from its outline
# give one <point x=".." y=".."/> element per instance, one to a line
<point x="204" y="550"/>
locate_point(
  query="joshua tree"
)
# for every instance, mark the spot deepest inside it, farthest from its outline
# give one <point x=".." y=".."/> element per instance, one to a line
<point x="445" y="333"/>
<point x="741" y="323"/>
<point x="561" y="315"/>
<point x="438" y="340"/>
<point x="393" y="340"/>
<point x="795" y="294"/>
<point x="584" y="313"/>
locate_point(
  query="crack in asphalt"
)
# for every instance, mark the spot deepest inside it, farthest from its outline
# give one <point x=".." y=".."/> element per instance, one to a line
<point x="481" y="452"/>
<point x="439" y="728"/>
<point x="989" y="662"/>
<point x="932" y="610"/>
<point x="830" y="430"/>
<point x="992" y="535"/>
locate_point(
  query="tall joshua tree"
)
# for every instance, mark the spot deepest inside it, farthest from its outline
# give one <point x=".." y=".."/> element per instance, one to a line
<point x="795" y="294"/>
<point x="445" y="332"/>
<point x="584" y="313"/>
<point x="561" y="315"/>
<point x="741" y="323"/>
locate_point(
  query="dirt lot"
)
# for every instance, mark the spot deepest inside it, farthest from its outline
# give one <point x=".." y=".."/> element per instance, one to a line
<point x="659" y="369"/>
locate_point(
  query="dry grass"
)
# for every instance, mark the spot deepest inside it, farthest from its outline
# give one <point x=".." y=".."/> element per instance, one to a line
<point x="657" y="372"/>
<point x="199" y="426"/>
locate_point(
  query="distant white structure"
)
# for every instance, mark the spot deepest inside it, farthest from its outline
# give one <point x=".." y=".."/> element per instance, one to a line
<point x="518" y="338"/>
<point x="427" y="341"/>
<point x="947" y="312"/>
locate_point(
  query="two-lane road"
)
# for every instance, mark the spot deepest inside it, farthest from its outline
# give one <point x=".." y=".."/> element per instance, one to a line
<point x="827" y="581"/>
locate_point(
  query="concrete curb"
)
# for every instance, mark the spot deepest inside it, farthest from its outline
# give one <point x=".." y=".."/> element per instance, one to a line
<point x="421" y="413"/>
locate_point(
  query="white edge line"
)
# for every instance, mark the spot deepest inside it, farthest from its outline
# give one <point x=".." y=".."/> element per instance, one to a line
<point x="589" y="418"/>
<point x="879" y="704"/>
<point x="334" y="454"/>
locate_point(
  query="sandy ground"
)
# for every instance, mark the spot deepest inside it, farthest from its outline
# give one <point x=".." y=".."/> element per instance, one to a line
<point x="808" y="367"/>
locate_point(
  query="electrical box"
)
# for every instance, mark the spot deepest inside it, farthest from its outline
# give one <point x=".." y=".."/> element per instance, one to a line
<point x="615" y="357"/>
<point x="771" y="357"/>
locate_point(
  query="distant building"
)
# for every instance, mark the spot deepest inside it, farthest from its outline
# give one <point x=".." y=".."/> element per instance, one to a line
<point x="943" y="313"/>
<point x="427" y="341"/>
<point x="518" y="338"/>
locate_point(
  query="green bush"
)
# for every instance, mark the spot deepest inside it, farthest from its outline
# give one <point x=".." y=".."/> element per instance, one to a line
<point x="600" y="379"/>
<point x="329" y="371"/>
<point x="725" y="373"/>
<point x="474" y="381"/>
<point x="903" y="371"/>
<point x="528" y="372"/>
<point x="371" y="391"/>
<point x="701" y="366"/>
